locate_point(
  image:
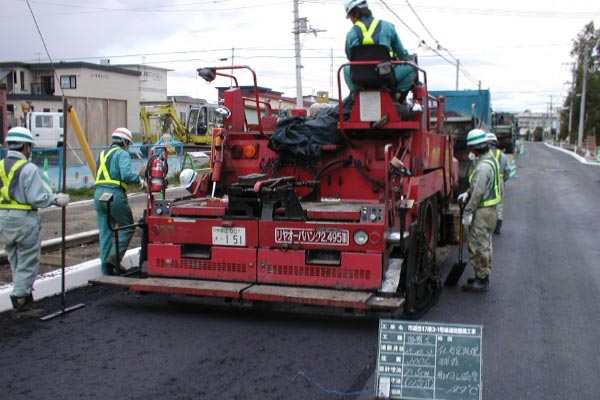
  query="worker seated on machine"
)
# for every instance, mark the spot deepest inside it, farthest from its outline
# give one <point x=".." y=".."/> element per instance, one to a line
<point x="396" y="79"/>
<point x="166" y="140"/>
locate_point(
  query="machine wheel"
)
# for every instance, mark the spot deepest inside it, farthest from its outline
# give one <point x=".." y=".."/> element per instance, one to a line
<point x="424" y="278"/>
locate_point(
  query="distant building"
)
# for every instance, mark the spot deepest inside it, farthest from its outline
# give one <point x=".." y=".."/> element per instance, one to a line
<point x="104" y="95"/>
<point x="528" y="121"/>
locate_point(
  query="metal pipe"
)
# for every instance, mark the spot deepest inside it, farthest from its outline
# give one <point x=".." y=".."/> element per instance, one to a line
<point x="82" y="140"/>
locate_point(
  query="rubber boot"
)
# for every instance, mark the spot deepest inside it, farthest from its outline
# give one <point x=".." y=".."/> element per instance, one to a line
<point x="113" y="266"/>
<point x="23" y="308"/>
<point x="498" y="227"/>
<point x="478" y="285"/>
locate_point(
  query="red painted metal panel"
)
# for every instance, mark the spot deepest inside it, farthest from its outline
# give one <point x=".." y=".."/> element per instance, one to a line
<point x="196" y="231"/>
<point x="199" y="209"/>
<point x="225" y="263"/>
<point x="424" y="186"/>
<point x="360" y="271"/>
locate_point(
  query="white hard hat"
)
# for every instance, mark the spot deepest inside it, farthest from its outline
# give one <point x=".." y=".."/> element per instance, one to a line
<point x="492" y="138"/>
<point x="123" y="133"/>
<point x="19" y="134"/>
<point x="166" y="137"/>
<point x="186" y="178"/>
<point x="349" y="5"/>
<point x="223" y="111"/>
<point x="477" y="138"/>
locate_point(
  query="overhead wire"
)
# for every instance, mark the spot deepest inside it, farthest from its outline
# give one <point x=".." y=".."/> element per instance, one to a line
<point x="45" y="47"/>
<point x="438" y="46"/>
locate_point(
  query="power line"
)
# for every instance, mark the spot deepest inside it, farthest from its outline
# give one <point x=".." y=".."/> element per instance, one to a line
<point x="45" y="47"/>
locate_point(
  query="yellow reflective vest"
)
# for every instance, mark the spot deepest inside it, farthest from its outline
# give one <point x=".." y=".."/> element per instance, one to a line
<point x="496" y="195"/>
<point x="368" y="33"/>
<point x="103" y="174"/>
<point x="6" y="201"/>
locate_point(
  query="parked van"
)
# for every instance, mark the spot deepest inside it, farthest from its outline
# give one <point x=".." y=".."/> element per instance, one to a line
<point x="46" y="128"/>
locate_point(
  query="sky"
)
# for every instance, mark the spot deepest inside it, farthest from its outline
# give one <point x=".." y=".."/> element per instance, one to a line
<point x="519" y="50"/>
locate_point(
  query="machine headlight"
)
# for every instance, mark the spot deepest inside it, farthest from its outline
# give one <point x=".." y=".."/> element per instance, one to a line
<point x="361" y="237"/>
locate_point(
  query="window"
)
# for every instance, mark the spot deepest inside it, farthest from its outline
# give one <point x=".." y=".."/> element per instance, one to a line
<point x="43" y="121"/>
<point x="68" y="82"/>
<point x="22" y="76"/>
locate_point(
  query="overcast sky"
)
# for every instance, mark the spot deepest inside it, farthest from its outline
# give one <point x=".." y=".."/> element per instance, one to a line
<point x="519" y="50"/>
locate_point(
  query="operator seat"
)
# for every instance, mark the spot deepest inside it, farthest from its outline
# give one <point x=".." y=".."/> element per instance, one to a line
<point x="372" y="76"/>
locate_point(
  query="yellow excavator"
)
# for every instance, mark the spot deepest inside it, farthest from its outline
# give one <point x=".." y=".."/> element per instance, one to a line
<point x="197" y="131"/>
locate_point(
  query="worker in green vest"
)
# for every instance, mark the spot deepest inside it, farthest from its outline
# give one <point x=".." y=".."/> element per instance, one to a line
<point x="504" y="176"/>
<point x="113" y="175"/>
<point x="480" y="210"/>
<point x="22" y="192"/>
<point x="368" y="30"/>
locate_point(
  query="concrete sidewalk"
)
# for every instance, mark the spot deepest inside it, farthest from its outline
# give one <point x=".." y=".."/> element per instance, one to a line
<point x="589" y="161"/>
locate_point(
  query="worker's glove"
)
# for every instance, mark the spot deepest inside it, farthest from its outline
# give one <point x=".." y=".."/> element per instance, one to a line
<point x="62" y="199"/>
<point x="142" y="184"/>
<point x="467" y="219"/>
<point x="463" y="197"/>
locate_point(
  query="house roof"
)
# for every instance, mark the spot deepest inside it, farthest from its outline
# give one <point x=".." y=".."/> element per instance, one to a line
<point x="67" y="64"/>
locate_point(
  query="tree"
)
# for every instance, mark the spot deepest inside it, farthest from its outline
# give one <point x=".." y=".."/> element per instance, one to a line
<point x="586" y="45"/>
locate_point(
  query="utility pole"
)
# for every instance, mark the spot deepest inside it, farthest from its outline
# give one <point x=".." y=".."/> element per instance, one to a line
<point x="573" y="80"/>
<point x="331" y="73"/>
<point x="551" y="121"/>
<point x="299" y="102"/>
<point x="300" y="26"/>
<point x="457" y="71"/>
<point x="582" y="104"/>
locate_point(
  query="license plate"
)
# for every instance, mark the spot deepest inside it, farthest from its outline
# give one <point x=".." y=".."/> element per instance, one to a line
<point x="331" y="236"/>
<point x="228" y="236"/>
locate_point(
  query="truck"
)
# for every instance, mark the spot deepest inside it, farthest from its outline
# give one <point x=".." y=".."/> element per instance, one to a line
<point x="197" y="130"/>
<point x="505" y="128"/>
<point x="465" y="110"/>
<point x="47" y="128"/>
<point x="349" y="221"/>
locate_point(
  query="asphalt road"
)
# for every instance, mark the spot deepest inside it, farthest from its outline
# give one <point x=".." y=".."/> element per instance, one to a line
<point x="540" y="322"/>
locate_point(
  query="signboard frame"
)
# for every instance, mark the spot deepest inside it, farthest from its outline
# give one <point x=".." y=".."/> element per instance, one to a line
<point x="428" y="360"/>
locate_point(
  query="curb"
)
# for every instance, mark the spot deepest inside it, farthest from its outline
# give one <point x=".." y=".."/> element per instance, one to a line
<point x="573" y="154"/>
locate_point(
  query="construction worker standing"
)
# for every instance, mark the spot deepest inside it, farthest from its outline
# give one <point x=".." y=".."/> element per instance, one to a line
<point x="22" y="192"/>
<point x="113" y="175"/>
<point x="504" y="176"/>
<point x="367" y="30"/>
<point x="480" y="210"/>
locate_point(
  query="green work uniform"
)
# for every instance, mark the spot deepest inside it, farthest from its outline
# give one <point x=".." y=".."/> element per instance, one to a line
<point x="113" y="175"/>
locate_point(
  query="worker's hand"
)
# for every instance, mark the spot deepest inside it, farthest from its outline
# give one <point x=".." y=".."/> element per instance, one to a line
<point x="467" y="219"/>
<point x="62" y="199"/>
<point x="463" y="197"/>
<point x="142" y="171"/>
<point x="142" y="184"/>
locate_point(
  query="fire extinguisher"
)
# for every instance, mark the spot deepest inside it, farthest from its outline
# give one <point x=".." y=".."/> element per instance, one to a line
<point x="216" y="161"/>
<point x="157" y="170"/>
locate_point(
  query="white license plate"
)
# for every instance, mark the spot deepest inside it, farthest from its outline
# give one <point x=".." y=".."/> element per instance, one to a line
<point x="330" y="236"/>
<point x="228" y="236"/>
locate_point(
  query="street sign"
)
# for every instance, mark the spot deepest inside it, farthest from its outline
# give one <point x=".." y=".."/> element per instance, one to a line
<point x="423" y="360"/>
